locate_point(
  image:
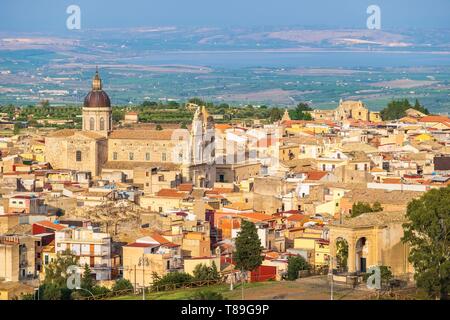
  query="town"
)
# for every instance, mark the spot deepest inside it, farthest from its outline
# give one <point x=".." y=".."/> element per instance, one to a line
<point x="134" y="209"/>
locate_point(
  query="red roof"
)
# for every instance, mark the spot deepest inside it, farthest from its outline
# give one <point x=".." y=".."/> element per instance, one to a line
<point x="296" y="217"/>
<point x="171" y="193"/>
<point x="256" y="216"/>
<point x="316" y="175"/>
<point x="434" y="119"/>
<point x="50" y="225"/>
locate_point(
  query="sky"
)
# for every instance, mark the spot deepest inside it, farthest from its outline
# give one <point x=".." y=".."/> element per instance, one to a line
<point x="51" y="16"/>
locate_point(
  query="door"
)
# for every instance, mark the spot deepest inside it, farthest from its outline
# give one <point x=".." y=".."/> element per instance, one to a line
<point x="363" y="264"/>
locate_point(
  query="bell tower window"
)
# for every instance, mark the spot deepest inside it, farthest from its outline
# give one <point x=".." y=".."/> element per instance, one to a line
<point x="102" y="123"/>
<point x="78" y="156"/>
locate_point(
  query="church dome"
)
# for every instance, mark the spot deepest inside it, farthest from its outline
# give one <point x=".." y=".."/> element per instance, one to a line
<point x="97" y="98"/>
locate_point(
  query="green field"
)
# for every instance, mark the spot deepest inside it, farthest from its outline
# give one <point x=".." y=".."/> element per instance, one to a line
<point x="187" y="294"/>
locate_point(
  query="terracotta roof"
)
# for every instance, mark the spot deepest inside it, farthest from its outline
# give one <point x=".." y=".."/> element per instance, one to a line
<point x="142" y="134"/>
<point x="162" y="241"/>
<point x="296" y="217"/>
<point x="171" y="193"/>
<point x="316" y="175"/>
<point x="434" y="119"/>
<point x="222" y="126"/>
<point x="51" y="225"/>
<point x="256" y="216"/>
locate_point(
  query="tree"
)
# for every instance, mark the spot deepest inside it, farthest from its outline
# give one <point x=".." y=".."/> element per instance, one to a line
<point x="296" y="264"/>
<point x="122" y="285"/>
<point x="203" y="272"/>
<point x="359" y="208"/>
<point x="396" y="109"/>
<point x="16" y="130"/>
<point x="248" y="248"/>
<point x="56" y="271"/>
<point x="170" y="280"/>
<point x="342" y="253"/>
<point x="275" y="114"/>
<point x="54" y="286"/>
<point x="376" y="207"/>
<point x="86" y="281"/>
<point x="428" y="233"/>
<point x="301" y="112"/>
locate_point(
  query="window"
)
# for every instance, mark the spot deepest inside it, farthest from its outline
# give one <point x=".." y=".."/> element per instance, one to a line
<point x="324" y="167"/>
<point x="356" y="167"/>
<point x="91" y="124"/>
<point x="114" y="155"/>
<point x="131" y="156"/>
<point x="221" y="178"/>
<point x="164" y="157"/>
<point x="147" y="156"/>
<point x="102" y="123"/>
<point x="78" y="156"/>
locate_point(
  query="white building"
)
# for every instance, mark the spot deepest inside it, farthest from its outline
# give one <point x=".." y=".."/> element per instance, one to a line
<point x="92" y="248"/>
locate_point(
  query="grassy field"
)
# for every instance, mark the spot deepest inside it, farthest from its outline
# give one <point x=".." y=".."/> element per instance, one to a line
<point x="311" y="288"/>
<point x="186" y="294"/>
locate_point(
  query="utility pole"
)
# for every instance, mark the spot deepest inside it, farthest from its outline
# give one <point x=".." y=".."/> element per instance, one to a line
<point x="331" y="273"/>
<point x="143" y="261"/>
<point x="231" y="275"/>
<point x="135" y="284"/>
<point x="242" y="281"/>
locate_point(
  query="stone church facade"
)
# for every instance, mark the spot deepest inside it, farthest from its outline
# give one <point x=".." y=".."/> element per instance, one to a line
<point x="98" y="146"/>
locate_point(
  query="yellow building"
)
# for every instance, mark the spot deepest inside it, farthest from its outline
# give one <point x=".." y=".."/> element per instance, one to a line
<point x="196" y="244"/>
<point x="319" y="249"/>
<point x="148" y="255"/>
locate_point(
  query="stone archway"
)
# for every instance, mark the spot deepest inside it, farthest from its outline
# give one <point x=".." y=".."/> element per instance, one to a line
<point x="361" y="254"/>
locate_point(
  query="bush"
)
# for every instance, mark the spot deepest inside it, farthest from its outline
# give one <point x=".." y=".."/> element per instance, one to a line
<point x="296" y="264"/>
<point x="172" y="279"/>
<point x="203" y="272"/>
<point x="122" y="285"/>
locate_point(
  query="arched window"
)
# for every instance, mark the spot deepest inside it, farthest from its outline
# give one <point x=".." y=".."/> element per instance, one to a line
<point x="91" y="124"/>
<point x="102" y="124"/>
<point x="78" y="156"/>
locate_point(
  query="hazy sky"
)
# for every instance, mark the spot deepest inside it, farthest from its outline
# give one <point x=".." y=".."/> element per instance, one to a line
<point x="50" y="15"/>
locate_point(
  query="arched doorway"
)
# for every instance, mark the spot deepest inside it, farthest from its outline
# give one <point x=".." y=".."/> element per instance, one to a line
<point x="361" y="252"/>
<point x="341" y="254"/>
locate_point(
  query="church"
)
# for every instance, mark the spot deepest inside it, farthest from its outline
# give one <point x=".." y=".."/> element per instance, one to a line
<point x="98" y="146"/>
